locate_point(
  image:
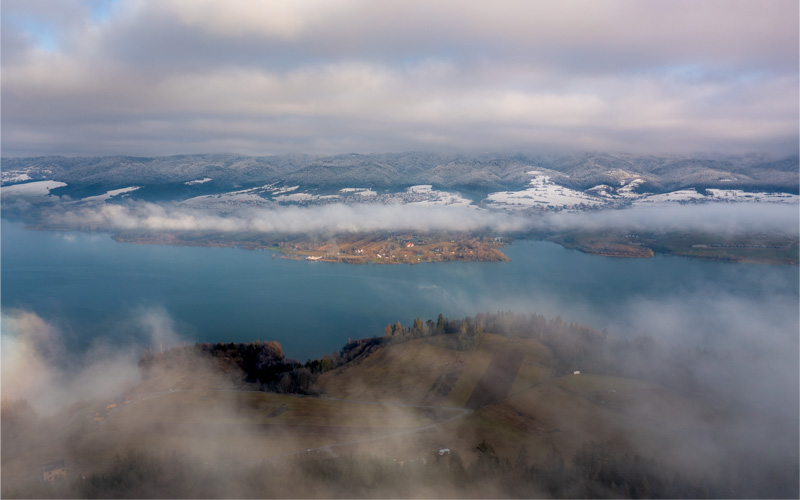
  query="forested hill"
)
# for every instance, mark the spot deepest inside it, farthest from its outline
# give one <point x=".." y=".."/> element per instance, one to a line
<point x="469" y="173"/>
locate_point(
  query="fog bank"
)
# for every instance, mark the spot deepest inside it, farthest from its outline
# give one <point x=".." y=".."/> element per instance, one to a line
<point x="364" y="218"/>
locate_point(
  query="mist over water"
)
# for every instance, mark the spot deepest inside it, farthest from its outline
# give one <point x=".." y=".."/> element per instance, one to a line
<point x="93" y="287"/>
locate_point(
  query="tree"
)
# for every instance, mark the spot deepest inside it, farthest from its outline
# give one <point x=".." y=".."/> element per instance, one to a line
<point x="418" y="327"/>
<point x="440" y="323"/>
<point x="486" y="450"/>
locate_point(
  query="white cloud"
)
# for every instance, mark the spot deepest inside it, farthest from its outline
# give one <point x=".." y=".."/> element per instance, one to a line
<point x="320" y="77"/>
<point x="37" y="367"/>
<point x="325" y="219"/>
<point x="241" y="18"/>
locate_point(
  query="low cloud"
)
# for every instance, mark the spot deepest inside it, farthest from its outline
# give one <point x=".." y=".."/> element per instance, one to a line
<point x="328" y="219"/>
<point x="365" y="218"/>
<point x="37" y="366"/>
<point x="711" y="217"/>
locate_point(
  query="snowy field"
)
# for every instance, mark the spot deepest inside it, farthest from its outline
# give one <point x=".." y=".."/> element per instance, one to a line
<point x="37" y="188"/>
<point x="543" y="193"/>
<point x="14" y="176"/>
<point x="198" y="181"/>
<point x="716" y="196"/>
<point x="109" y="194"/>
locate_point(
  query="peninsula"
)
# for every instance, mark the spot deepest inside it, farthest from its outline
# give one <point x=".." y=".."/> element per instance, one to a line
<point x="376" y="248"/>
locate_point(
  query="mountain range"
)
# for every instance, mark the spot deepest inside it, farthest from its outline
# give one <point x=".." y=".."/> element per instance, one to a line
<point x="480" y="174"/>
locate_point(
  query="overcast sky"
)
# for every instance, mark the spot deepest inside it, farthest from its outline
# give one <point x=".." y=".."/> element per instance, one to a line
<point x="99" y="77"/>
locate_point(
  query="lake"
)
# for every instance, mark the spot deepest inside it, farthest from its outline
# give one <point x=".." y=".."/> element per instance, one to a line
<point x="92" y="287"/>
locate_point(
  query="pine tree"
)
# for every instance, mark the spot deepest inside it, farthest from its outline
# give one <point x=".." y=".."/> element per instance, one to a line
<point x="418" y="327"/>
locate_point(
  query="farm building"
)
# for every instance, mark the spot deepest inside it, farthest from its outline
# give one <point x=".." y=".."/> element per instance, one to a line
<point x="54" y="470"/>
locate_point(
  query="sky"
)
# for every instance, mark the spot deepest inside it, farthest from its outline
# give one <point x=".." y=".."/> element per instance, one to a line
<point x="260" y="77"/>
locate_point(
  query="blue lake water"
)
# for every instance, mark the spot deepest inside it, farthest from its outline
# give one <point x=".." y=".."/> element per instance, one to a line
<point x="93" y="287"/>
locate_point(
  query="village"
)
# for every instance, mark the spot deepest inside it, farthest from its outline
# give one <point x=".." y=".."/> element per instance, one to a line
<point x="396" y="249"/>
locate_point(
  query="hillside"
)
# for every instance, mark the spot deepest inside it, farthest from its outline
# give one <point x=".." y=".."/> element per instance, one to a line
<point x="519" y="402"/>
<point x="496" y="405"/>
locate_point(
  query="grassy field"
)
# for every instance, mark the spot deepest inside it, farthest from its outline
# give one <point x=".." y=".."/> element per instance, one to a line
<point x="536" y="412"/>
<point x="420" y="371"/>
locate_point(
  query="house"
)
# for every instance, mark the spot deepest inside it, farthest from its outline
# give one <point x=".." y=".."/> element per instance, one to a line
<point x="54" y="470"/>
<point x="576" y="372"/>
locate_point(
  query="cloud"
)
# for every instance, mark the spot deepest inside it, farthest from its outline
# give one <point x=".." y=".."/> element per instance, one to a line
<point x="37" y="367"/>
<point x="158" y="326"/>
<point x="253" y="77"/>
<point x="708" y="217"/>
<point x="30" y="345"/>
<point x="333" y="219"/>
<point x="326" y="219"/>
<point x="245" y="18"/>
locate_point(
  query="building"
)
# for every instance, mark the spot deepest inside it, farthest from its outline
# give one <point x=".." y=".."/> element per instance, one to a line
<point x="54" y="470"/>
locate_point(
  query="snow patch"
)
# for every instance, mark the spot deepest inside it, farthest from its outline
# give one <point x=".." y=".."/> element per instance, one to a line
<point x="425" y="195"/>
<point x="717" y="196"/>
<point x="737" y="195"/>
<point x="359" y="191"/>
<point x="682" y="195"/>
<point x="110" y="194"/>
<point x="15" y="176"/>
<point x="198" y="181"/>
<point x="542" y="193"/>
<point x="283" y="190"/>
<point x="37" y="188"/>
<point x="627" y="189"/>
<point x="294" y="197"/>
